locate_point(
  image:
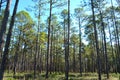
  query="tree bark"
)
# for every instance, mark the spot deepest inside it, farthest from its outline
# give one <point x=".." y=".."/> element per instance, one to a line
<point x="96" y="41"/>
<point x="74" y="60"/>
<point x="67" y="51"/>
<point x="80" y="56"/>
<point x="16" y="58"/>
<point x="4" y="25"/>
<point x="51" y="51"/>
<point x="4" y="59"/>
<point x="48" y="42"/>
<point x="105" y="46"/>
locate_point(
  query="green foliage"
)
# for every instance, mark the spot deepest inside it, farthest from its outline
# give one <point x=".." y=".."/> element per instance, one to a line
<point x="64" y="13"/>
<point x="78" y="12"/>
<point x="24" y="17"/>
<point x="74" y="38"/>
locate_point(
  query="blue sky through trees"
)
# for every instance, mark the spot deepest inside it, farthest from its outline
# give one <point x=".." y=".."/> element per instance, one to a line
<point x="26" y="3"/>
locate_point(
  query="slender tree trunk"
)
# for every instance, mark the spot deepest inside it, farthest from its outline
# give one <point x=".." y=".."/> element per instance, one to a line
<point x="36" y="55"/>
<point x="93" y="44"/>
<point x="4" y="25"/>
<point x="80" y="56"/>
<point x="74" y="64"/>
<point x="48" y="42"/>
<point x="96" y="41"/>
<point x="4" y="59"/>
<point x="56" y="57"/>
<point x="35" y="62"/>
<point x="105" y="47"/>
<point x="15" y="59"/>
<point x="23" y="57"/>
<point x="92" y="56"/>
<point x="54" y="45"/>
<point x="67" y="51"/>
<point x="65" y="39"/>
<point x="102" y="50"/>
<point x="40" y="59"/>
<point x="37" y="44"/>
<point x="51" y="51"/>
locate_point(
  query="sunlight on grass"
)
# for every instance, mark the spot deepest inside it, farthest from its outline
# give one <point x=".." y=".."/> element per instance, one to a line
<point x="59" y="76"/>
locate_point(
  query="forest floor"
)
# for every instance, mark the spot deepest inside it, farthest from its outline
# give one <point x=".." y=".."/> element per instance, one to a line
<point x="59" y="76"/>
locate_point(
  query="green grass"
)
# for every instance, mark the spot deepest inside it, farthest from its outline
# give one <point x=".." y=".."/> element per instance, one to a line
<point x="58" y="76"/>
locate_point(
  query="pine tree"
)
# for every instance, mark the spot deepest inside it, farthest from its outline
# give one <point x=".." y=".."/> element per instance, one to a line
<point x="6" y="51"/>
<point x="96" y="41"/>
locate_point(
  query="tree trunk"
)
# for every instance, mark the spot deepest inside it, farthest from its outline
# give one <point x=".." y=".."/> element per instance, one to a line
<point x="15" y="60"/>
<point x="96" y="41"/>
<point x="105" y="47"/>
<point x="80" y="56"/>
<point x="4" y="25"/>
<point x="67" y="51"/>
<point x="37" y="44"/>
<point x="48" y="42"/>
<point x="5" y="55"/>
<point x="51" y="51"/>
<point x="74" y="64"/>
<point x="35" y="62"/>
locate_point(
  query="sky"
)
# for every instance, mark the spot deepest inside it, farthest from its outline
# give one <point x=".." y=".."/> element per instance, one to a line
<point x="26" y="3"/>
<point x="22" y="4"/>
